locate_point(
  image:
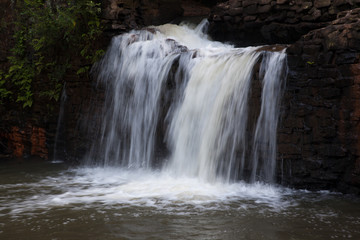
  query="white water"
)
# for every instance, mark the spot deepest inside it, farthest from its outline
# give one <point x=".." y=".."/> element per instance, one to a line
<point x="171" y="87"/>
<point x="264" y="145"/>
<point x="41" y="200"/>
<point x="210" y="124"/>
<point x="120" y="188"/>
<point x="133" y="71"/>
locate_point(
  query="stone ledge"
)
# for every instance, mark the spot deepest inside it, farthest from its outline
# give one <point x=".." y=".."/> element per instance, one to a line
<point x="272" y="21"/>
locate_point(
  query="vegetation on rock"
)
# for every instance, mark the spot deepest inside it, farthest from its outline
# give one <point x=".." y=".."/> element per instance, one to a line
<point x="50" y="37"/>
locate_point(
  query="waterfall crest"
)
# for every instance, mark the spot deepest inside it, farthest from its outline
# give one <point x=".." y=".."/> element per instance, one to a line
<point x="171" y="86"/>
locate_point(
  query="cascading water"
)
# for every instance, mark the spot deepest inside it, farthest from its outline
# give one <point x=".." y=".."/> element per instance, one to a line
<point x="133" y="70"/>
<point x="209" y="126"/>
<point x="175" y="77"/>
<point x="264" y="145"/>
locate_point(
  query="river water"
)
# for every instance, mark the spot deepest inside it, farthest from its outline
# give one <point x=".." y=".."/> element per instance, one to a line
<point x="44" y="200"/>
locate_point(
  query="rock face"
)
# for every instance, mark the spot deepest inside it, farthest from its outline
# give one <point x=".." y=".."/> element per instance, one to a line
<point x="196" y="8"/>
<point x="252" y="22"/>
<point x="319" y="137"/>
<point x="123" y="15"/>
<point x="20" y="137"/>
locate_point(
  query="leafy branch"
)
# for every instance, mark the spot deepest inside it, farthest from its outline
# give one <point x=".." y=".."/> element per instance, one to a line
<point x="50" y="36"/>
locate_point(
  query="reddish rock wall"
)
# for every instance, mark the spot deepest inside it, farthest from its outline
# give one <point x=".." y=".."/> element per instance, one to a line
<point x="26" y="141"/>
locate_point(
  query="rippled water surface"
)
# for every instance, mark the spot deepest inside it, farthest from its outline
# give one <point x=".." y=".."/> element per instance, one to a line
<point x="53" y="201"/>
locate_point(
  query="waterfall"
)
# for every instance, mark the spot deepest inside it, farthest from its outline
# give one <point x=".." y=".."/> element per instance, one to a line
<point x="264" y="146"/>
<point x="210" y="124"/>
<point x="59" y="148"/>
<point x="170" y="87"/>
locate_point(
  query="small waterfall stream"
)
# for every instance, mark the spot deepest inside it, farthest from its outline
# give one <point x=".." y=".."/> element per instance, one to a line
<point x="59" y="148"/>
<point x="197" y="91"/>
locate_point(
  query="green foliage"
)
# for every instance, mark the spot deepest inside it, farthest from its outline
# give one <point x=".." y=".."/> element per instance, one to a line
<point x="4" y="92"/>
<point x="49" y="36"/>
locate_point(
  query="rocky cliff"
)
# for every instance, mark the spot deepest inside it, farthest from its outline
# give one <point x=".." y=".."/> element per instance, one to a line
<point x="319" y="137"/>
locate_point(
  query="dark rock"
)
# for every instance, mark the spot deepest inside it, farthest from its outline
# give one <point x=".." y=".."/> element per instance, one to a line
<point x="236" y="11"/>
<point x="300" y="17"/>
<point x="305" y="6"/>
<point x="251" y="9"/>
<point x="322" y="3"/>
<point x="235" y="3"/>
<point x="263" y="2"/>
<point x="314" y="14"/>
<point x="264" y="8"/>
<point x="135" y="14"/>
<point x="246" y="3"/>
<point x="340" y="2"/>
<point x="323" y="94"/>
<point x="347" y="58"/>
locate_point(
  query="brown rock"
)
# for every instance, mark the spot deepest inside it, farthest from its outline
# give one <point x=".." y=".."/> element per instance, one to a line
<point x="305" y="6"/>
<point x="264" y="2"/>
<point x="313" y="16"/>
<point x="250" y="10"/>
<point x="235" y="3"/>
<point x="16" y="142"/>
<point x="322" y="3"/>
<point x="38" y="143"/>
<point x="281" y="1"/>
<point x="246" y="3"/>
<point x="249" y="18"/>
<point x="264" y="8"/>
<point x="340" y="2"/>
<point x="236" y="11"/>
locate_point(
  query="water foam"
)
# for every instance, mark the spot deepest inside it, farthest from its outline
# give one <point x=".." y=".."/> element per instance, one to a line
<point x="119" y="188"/>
